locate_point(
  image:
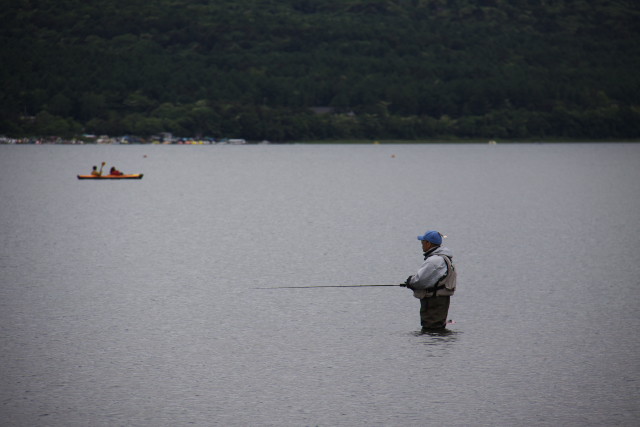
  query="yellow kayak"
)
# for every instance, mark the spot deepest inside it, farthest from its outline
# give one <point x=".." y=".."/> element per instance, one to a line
<point x="128" y="176"/>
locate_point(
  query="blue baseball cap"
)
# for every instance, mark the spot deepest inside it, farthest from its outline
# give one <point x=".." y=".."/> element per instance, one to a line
<point x="432" y="236"/>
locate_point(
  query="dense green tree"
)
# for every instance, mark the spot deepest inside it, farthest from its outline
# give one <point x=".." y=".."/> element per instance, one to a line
<point x="47" y="124"/>
<point x="389" y="68"/>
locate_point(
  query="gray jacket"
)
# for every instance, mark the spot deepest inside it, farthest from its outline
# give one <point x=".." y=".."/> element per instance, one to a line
<point x="432" y="270"/>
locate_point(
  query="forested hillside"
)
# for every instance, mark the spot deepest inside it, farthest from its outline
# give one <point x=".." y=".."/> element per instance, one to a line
<point x="403" y="69"/>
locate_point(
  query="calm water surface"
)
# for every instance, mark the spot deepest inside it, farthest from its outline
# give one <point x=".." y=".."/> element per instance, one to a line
<point x="134" y="302"/>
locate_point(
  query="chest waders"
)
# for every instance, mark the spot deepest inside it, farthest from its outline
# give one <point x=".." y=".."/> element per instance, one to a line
<point x="434" y="306"/>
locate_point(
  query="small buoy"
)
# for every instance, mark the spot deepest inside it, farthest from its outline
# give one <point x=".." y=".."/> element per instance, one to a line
<point x="393" y="156"/>
<point x="145" y="156"/>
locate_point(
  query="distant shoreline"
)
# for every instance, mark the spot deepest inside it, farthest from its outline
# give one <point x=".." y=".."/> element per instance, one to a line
<point x="79" y="141"/>
<point x="473" y="141"/>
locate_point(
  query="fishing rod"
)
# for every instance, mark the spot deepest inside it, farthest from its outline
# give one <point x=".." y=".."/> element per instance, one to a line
<point x="324" y="286"/>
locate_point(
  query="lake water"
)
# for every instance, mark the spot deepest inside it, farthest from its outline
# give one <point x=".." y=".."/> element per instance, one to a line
<point x="134" y="303"/>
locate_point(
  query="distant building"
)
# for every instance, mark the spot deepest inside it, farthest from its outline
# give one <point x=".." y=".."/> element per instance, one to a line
<point x="166" y="137"/>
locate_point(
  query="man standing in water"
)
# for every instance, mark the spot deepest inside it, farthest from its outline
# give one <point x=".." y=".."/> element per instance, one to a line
<point x="434" y="283"/>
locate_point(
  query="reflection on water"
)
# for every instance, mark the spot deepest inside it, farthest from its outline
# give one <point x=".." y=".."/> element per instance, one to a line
<point x="437" y="333"/>
<point x="439" y="343"/>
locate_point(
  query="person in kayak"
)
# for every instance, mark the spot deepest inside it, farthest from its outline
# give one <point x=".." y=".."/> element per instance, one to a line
<point x="434" y="283"/>
<point x="115" y="171"/>
<point x="96" y="172"/>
